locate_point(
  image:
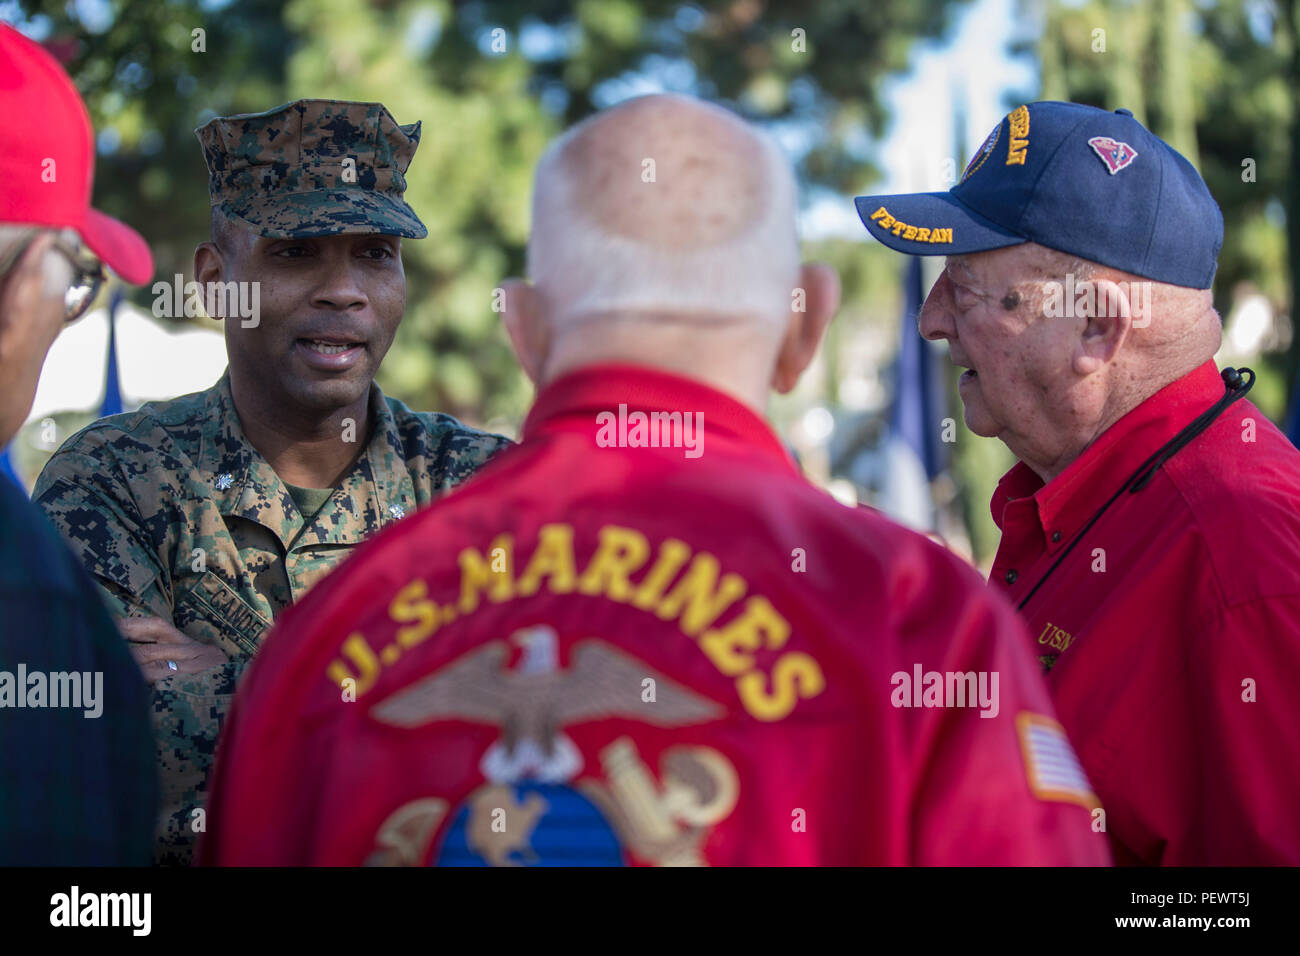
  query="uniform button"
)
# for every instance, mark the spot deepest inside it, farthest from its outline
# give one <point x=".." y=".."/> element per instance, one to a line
<point x="1056" y="536"/>
<point x="1011" y="576"/>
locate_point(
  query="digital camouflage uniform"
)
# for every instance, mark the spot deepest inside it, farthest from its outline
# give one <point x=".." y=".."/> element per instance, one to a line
<point x="176" y="515"/>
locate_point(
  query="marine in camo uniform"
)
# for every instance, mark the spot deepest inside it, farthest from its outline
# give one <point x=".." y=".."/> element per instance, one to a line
<point x="194" y="515"/>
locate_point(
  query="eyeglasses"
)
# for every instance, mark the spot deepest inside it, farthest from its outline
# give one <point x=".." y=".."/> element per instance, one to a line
<point x="87" y="275"/>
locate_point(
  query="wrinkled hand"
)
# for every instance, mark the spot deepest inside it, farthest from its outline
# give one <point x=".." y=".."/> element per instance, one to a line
<point x="154" y="642"/>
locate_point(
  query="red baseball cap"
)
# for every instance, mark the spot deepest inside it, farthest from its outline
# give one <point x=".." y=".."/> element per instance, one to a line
<point x="47" y="158"/>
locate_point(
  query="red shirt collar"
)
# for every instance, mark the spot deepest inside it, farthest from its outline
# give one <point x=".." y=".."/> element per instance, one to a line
<point x="578" y="396"/>
<point x="1066" y="502"/>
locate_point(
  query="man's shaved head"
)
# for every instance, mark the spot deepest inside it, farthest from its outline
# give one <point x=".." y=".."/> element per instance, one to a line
<point x="664" y="205"/>
<point x="664" y="236"/>
<point x="710" y="168"/>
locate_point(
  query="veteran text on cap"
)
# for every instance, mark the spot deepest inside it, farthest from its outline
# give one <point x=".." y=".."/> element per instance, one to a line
<point x="1081" y="180"/>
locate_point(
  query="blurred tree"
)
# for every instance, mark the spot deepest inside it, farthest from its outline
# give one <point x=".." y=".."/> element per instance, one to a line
<point x="1051" y="56"/>
<point x="492" y="82"/>
<point x="1125" y="49"/>
<point x="1174" y="89"/>
<point x="148" y="86"/>
<point x="1221" y="79"/>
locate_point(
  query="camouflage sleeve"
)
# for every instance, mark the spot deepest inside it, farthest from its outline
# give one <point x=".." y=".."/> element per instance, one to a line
<point x="85" y="496"/>
<point x="83" y="492"/>
<point x="462" y="450"/>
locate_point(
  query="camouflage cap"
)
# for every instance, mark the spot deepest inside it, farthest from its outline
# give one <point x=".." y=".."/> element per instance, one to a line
<point x="285" y="171"/>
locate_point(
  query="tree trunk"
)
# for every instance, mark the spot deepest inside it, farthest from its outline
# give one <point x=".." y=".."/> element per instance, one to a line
<point x="1127" y="39"/>
<point x="1177" y="109"/>
<point x="1050" y="58"/>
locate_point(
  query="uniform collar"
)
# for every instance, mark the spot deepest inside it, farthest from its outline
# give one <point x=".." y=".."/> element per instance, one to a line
<point x="572" y="402"/>
<point x="243" y="484"/>
<point x="1070" y="499"/>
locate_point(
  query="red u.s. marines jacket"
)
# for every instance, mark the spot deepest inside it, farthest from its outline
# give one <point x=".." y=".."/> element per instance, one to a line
<point x="642" y="637"/>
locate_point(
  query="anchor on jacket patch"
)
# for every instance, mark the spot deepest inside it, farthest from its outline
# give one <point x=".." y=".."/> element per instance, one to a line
<point x="531" y="810"/>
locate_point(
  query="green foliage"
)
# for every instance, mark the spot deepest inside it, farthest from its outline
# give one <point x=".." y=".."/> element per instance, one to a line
<point x="978" y="463"/>
<point x="147" y="90"/>
<point x="489" y="102"/>
<point x="494" y="82"/>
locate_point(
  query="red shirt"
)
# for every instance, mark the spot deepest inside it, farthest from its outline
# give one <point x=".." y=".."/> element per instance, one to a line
<point x="1172" y="630"/>
<point x="593" y="654"/>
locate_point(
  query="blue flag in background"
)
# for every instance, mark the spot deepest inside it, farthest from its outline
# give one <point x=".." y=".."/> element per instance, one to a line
<point x="1291" y="425"/>
<point x="7" y="469"/>
<point x="913" y="450"/>
<point x="918" y="396"/>
<point x="112" y="404"/>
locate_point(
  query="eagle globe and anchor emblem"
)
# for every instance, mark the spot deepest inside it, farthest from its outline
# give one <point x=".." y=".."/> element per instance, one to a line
<point x="533" y="811"/>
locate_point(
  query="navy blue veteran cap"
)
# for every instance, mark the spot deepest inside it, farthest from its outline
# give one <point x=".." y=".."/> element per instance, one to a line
<point x="1074" y="178"/>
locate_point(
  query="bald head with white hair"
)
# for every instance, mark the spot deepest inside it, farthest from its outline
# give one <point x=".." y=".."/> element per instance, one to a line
<point x="664" y="235"/>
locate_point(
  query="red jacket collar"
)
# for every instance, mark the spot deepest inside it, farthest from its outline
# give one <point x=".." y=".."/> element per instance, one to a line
<point x="577" y="397"/>
<point x="1072" y="497"/>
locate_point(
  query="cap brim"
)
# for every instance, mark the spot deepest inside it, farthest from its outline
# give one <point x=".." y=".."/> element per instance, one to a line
<point x="118" y="246"/>
<point x="328" y="212"/>
<point x="923" y="216"/>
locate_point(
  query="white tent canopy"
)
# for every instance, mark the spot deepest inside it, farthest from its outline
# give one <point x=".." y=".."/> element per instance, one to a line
<point x="153" y="362"/>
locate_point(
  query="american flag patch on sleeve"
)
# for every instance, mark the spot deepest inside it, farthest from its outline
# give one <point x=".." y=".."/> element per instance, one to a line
<point x="1052" y="768"/>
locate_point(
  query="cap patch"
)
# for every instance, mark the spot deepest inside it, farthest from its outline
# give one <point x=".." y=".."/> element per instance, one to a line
<point x="982" y="153"/>
<point x="1053" y="769"/>
<point x="1114" y="154"/>
<point x="1019" y="123"/>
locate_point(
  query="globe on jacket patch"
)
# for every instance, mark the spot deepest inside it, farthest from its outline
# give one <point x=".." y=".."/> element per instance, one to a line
<point x="550" y="825"/>
<point x="542" y="805"/>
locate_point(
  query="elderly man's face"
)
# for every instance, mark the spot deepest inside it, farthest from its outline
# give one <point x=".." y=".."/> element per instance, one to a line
<point x="31" y="317"/>
<point x="1018" y="362"/>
